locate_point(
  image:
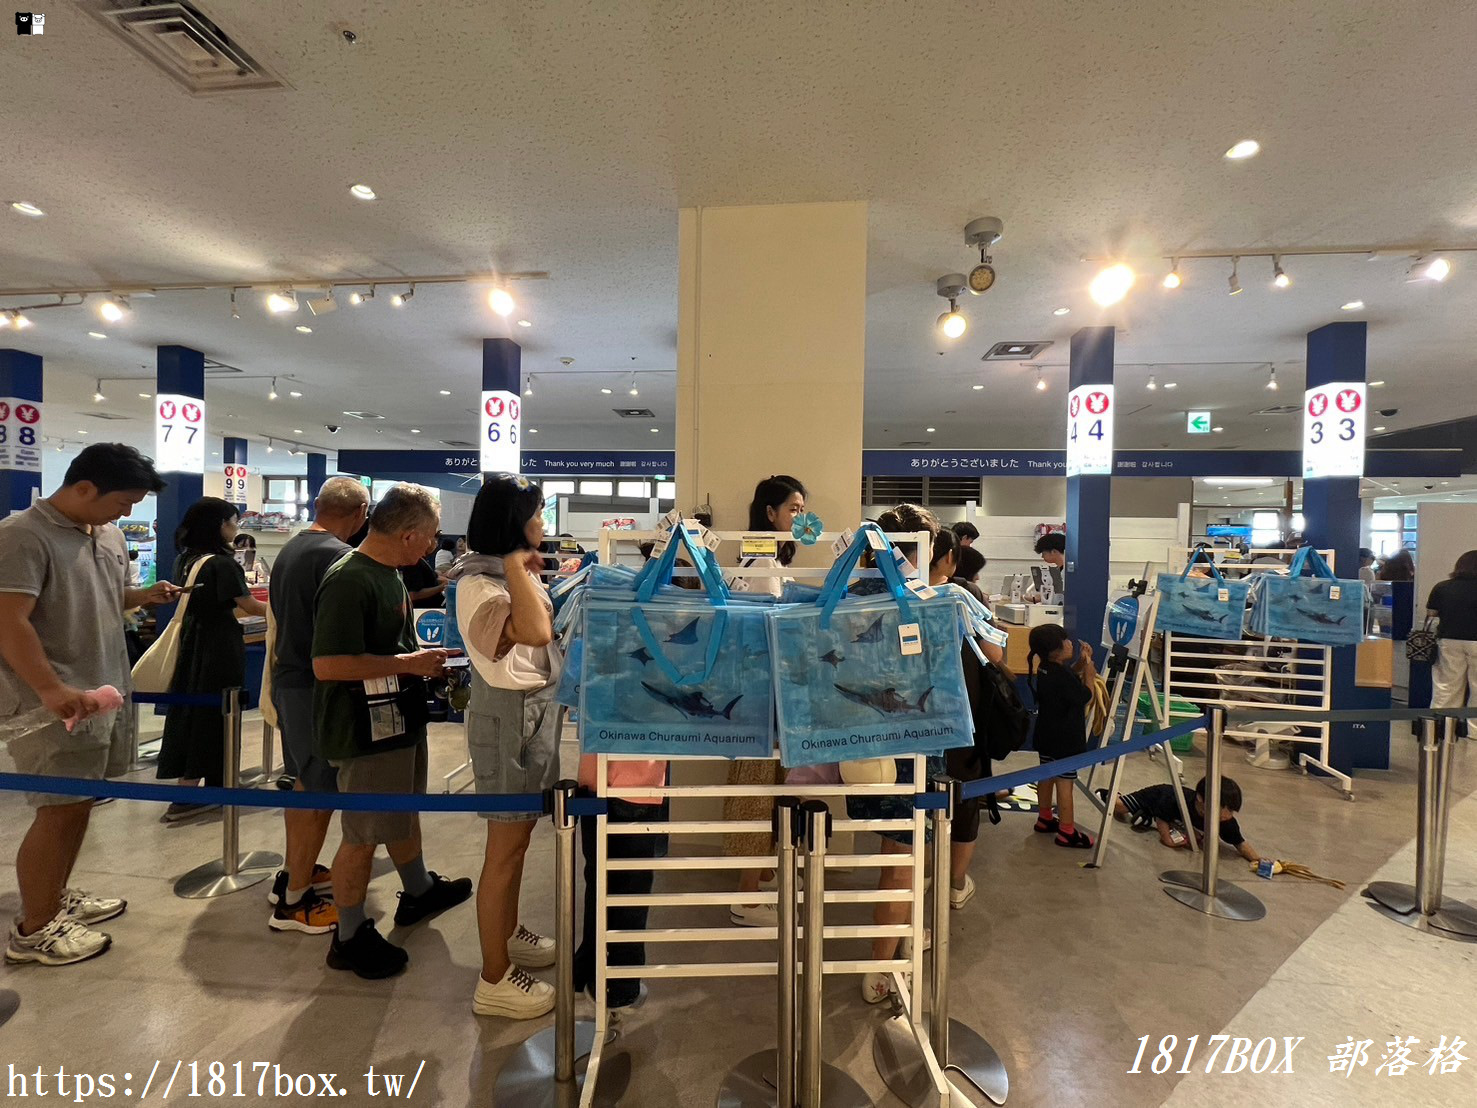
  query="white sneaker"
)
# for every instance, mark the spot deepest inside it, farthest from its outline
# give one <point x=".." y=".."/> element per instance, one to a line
<point x="769" y="884"/>
<point x="958" y="898"/>
<point x="59" y="943"/>
<point x="516" y="997"/>
<point x="85" y="908"/>
<point x="529" y="949"/>
<point x="876" y="987"/>
<point x="905" y="944"/>
<point x="755" y="915"/>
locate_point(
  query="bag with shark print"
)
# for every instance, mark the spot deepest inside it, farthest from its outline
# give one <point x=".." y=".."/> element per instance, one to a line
<point x="871" y="676"/>
<point x="673" y="672"/>
<point x="1319" y="608"/>
<point x="1206" y="607"/>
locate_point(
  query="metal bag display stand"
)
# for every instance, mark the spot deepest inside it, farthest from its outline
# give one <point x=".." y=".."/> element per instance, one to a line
<point x="958" y="1051"/>
<point x="1422" y="905"/>
<point x="234" y="871"/>
<point x="542" y="1072"/>
<point x="1204" y="891"/>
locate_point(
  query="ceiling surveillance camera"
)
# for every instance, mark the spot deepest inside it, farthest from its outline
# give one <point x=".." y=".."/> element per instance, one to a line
<point x="1388" y="412"/>
<point x="350" y="37"/>
<point x="331" y="428"/>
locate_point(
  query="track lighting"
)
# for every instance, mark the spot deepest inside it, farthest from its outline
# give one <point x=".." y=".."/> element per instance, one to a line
<point x="1436" y="269"/>
<point x="1040" y="380"/>
<point x="1111" y="285"/>
<point x="500" y="301"/>
<point x="269" y="446"/>
<point x="1153" y="384"/>
<point x="16" y="320"/>
<point x="235" y="312"/>
<point x="282" y="301"/>
<point x="113" y="308"/>
<point x="1172" y="278"/>
<point x="399" y="299"/>
<point x="1272" y="385"/>
<point x="356" y="298"/>
<point x="633" y="390"/>
<point x="1279" y="279"/>
<point x="1235" y="281"/>
<point x="952" y="323"/>
<point x="324" y="304"/>
<point x="272" y="392"/>
<point x="528" y="386"/>
<point x="97" y="393"/>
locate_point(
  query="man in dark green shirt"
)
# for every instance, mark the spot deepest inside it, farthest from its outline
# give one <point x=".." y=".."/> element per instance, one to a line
<point x="369" y="709"/>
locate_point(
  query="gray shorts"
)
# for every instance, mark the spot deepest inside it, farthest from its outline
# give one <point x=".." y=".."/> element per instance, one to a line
<point x="513" y="738"/>
<point x="89" y="752"/>
<point x="390" y="771"/>
<point x="295" y="723"/>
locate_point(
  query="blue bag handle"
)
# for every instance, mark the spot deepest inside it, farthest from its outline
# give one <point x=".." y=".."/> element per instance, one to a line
<point x="659" y="572"/>
<point x="1308" y="556"/>
<point x="834" y="589"/>
<point x="1202" y="554"/>
<point x="659" y="656"/>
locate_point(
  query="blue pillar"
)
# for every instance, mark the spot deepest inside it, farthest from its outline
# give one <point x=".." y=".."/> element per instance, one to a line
<point x="1336" y="353"/>
<point x="20" y="479"/>
<point x="180" y="370"/>
<point x="1089" y="508"/>
<point x="234" y="453"/>
<point x="502" y="368"/>
<point x="317" y="474"/>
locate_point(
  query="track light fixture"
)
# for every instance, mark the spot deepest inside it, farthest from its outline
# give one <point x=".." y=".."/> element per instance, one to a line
<point x="1433" y="269"/>
<point x="1235" y="281"/>
<point x="235" y="311"/>
<point x="1153" y="385"/>
<point x="15" y="320"/>
<point x="984" y="233"/>
<point x="272" y="392"/>
<point x="501" y="301"/>
<point x="633" y="390"/>
<point x="1272" y="385"/>
<point x="1040" y="380"/>
<point x="1280" y="280"/>
<point x="97" y="393"/>
<point x="528" y="386"/>
<point x="952" y="323"/>
<point x="1111" y="285"/>
<point x="399" y="299"/>
<point x="324" y="304"/>
<point x="284" y="300"/>
<point x="1172" y="278"/>
<point x="113" y="308"/>
<point x="356" y="298"/>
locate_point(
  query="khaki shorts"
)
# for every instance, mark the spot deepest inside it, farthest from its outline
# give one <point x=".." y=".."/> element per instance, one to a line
<point x="92" y="754"/>
<point x="390" y="771"/>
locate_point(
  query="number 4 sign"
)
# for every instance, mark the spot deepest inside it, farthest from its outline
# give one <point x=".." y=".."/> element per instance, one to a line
<point x="1333" y="430"/>
<point x="1090" y="430"/>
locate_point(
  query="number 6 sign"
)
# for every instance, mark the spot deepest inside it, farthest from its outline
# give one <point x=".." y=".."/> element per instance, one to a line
<point x="179" y="433"/>
<point x="502" y="432"/>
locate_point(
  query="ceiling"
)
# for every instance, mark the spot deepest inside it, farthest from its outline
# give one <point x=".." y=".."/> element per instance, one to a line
<point x="563" y="137"/>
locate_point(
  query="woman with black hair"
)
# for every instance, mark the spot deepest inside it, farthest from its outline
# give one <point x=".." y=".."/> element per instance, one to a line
<point x="1453" y="603"/>
<point x="212" y="651"/>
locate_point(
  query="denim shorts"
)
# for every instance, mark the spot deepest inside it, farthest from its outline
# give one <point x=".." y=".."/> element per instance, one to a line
<point x="513" y="738"/>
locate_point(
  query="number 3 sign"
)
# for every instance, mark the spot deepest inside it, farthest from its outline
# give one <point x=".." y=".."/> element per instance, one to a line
<point x="179" y="433"/>
<point x="1333" y="430"/>
<point x="502" y="429"/>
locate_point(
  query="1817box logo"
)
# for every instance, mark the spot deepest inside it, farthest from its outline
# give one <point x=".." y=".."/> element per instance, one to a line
<point x="30" y="23"/>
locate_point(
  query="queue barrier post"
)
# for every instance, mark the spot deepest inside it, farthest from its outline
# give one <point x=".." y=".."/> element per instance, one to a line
<point x="1205" y="891"/>
<point x="1424" y="905"/>
<point x="542" y="1073"/>
<point x="234" y="871"/>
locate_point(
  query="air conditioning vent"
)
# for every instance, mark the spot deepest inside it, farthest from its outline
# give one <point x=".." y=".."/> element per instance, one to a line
<point x="1014" y="351"/>
<point x="896" y="490"/>
<point x="634" y="413"/>
<point x="459" y="444"/>
<point x="914" y="444"/>
<point x="364" y="415"/>
<point x="109" y="416"/>
<point x="1280" y="409"/>
<point x="951" y="491"/>
<point x="186" y="45"/>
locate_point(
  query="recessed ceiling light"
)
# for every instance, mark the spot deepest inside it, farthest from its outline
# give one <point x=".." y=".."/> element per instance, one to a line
<point x="1379" y="428"/>
<point x="1352" y="306"/>
<point x="977" y="388"/>
<point x="295" y="394"/>
<point x="1376" y="384"/>
<point x="145" y="395"/>
<point x="1246" y="148"/>
<point x="605" y="392"/>
<point x="96" y="335"/>
<point x="363" y="192"/>
<point x="80" y="431"/>
<point x="302" y="329"/>
<point x="533" y="430"/>
<point x="930" y="430"/>
<point x="524" y="323"/>
<point x="656" y="430"/>
<point x="1062" y="311"/>
<point x="1217" y="430"/>
<point x="1171" y="384"/>
<point x="25" y="207"/>
<point x="415" y="430"/>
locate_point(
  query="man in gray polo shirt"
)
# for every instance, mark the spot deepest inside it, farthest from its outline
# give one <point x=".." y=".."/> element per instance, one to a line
<point x="63" y="592"/>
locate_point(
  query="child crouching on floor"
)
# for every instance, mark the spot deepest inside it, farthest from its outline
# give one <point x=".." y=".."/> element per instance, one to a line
<point x="1157" y="807"/>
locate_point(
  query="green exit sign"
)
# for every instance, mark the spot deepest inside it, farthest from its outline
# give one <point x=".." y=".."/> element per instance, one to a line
<point x="1198" y="423"/>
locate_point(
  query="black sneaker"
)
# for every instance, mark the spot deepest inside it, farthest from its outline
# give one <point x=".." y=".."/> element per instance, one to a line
<point x="321" y="883"/>
<point x="368" y="953"/>
<point x="178" y="813"/>
<point x="444" y="893"/>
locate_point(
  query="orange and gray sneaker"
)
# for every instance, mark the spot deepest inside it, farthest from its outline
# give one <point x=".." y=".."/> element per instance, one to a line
<point x="312" y="915"/>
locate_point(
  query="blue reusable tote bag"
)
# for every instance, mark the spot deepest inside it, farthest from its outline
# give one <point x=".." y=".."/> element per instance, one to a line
<point x="673" y="671"/>
<point x="848" y="687"/>
<point x="1319" y="608"/>
<point x="1208" y="607"/>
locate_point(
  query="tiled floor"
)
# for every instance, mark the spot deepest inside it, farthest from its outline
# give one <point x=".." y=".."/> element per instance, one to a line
<point x="1062" y="968"/>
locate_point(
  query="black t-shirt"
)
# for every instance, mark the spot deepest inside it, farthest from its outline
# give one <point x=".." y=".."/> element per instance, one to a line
<point x="1158" y="801"/>
<point x="294" y="586"/>
<point x="1061" y="700"/>
<point x="1455" y="601"/>
<point x="420" y="576"/>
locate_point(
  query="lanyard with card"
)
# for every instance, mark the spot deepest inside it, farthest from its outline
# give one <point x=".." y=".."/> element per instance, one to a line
<point x="386" y="721"/>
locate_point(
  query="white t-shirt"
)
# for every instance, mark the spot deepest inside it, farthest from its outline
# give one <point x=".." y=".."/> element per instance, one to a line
<point x="523" y="667"/>
<point x="758" y="585"/>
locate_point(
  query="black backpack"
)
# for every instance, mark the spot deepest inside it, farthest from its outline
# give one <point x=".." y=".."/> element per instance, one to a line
<point x="1000" y="718"/>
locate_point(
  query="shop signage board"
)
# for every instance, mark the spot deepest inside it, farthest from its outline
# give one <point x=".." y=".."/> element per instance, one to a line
<point x="20" y="435"/>
<point x="1145" y="463"/>
<point x="1090" y="430"/>
<point x="1197" y="423"/>
<point x="542" y="463"/>
<point x="1333" y="430"/>
<point x="179" y="433"/>
<point x="502" y="430"/>
<point x="236" y="485"/>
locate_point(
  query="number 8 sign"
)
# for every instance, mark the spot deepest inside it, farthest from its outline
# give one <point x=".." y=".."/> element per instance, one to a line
<point x="501" y="432"/>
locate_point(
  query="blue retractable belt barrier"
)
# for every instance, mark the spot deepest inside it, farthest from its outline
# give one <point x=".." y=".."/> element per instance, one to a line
<point x="179" y="700"/>
<point x="588" y="806"/>
<point x="1081" y="761"/>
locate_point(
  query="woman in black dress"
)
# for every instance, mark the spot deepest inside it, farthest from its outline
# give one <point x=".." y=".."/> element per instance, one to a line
<point x="212" y="653"/>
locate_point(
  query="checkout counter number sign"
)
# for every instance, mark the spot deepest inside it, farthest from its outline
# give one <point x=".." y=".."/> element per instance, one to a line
<point x="20" y="435"/>
<point x="179" y="433"/>
<point x="1333" y="430"/>
<point x="236" y="485"/>
<point x="1090" y="430"/>
<point x="502" y="427"/>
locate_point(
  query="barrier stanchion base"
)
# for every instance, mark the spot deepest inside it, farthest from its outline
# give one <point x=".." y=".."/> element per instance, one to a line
<point x="211" y="879"/>
<point x="1192" y="879"/>
<point x="1229" y="902"/>
<point x="528" y="1077"/>
<point x="974" y="1067"/>
<point x="1455" y="919"/>
<point x="751" y="1084"/>
<point x="10" y="1003"/>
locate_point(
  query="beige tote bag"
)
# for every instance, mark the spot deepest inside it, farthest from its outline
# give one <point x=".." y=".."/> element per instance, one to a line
<point x="154" y="672"/>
